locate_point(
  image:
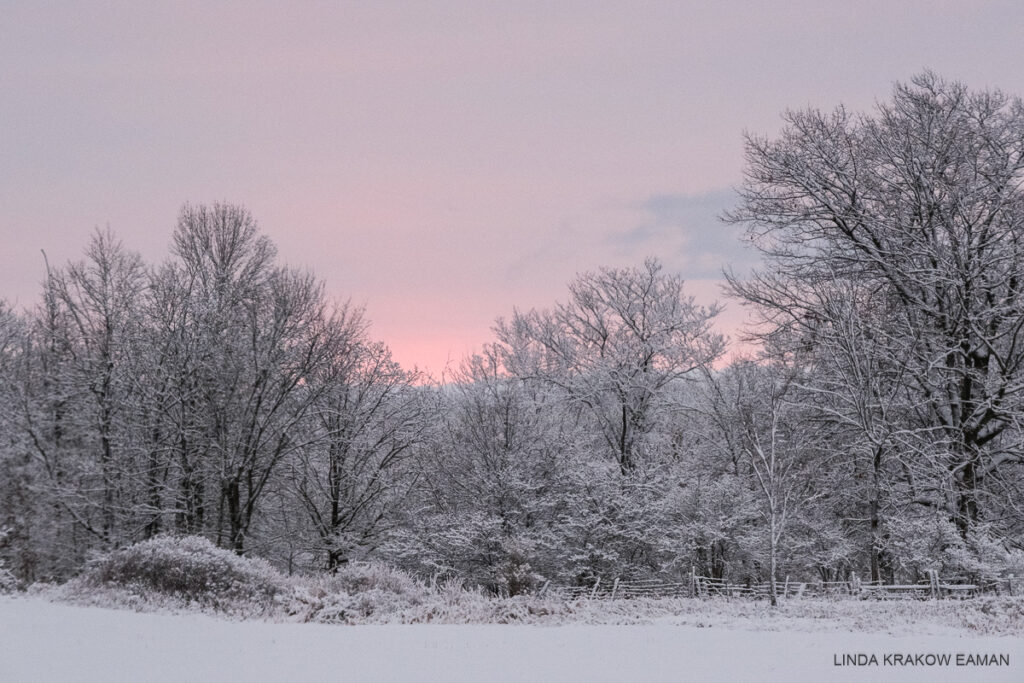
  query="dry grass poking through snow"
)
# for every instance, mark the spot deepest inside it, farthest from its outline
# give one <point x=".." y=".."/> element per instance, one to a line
<point x="988" y="616"/>
<point x="191" y="574"/>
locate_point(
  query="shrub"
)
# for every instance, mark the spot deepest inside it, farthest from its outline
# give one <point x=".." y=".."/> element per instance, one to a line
<point x="355" y="593"/>
<point x="188" y="570"/>
<point x="8" y="582"/>
<point x="358" y="577"/>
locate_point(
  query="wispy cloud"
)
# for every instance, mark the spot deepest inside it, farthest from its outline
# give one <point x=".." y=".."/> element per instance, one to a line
<point x="685" y="231"/>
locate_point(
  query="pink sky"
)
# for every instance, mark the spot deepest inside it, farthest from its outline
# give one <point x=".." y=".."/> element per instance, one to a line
<point x="440" y="162"/>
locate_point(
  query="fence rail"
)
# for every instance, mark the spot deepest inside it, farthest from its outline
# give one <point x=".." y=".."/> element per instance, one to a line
<point x="933" y="587"/>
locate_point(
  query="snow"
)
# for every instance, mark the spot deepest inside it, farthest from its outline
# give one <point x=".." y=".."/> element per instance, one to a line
<point x="45" y="641"/>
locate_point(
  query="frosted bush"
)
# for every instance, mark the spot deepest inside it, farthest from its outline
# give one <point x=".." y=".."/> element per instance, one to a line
<point x="186" y="570"/>
<point x="355" y="593"/>
<point x="982" y="557"/>
<point x="8" y="582"/>
<point x="192" y="574"/>
<point x="932" y="541"/>
<point x="358" y="577"/>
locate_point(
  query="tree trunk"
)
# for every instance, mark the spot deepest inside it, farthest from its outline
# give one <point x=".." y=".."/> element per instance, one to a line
<point x="966" y="517"/>
<point x="873" y="507"/>
<point x="231" y="495"/>
<point x="772" y="586"/>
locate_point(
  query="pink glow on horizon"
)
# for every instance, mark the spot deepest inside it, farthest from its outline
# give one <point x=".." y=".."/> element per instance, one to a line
<point x="438" y="162"/>
<point x="441" y="347"/>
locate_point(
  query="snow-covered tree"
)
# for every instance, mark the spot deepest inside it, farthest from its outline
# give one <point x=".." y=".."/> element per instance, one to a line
<point x="266" y="337"/>
<point x="921" y="206"/>
<point x="492" y="484"/>
<point x="366" y="423"/>
<point x="764" y="424"/>
<point x="614" y="349"/>
<point x="79" y="404"/>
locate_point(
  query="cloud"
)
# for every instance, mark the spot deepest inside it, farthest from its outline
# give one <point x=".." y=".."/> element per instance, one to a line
<point x="685" y="231"/>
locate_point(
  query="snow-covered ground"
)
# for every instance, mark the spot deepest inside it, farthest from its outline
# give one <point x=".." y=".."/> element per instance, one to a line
<point x="44" y="641"/>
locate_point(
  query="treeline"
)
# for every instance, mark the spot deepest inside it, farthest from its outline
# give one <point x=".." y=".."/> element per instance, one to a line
<point x="876" y="430"/>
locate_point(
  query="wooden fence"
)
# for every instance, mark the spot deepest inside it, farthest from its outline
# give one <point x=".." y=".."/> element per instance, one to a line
<point x="933" y="587"/>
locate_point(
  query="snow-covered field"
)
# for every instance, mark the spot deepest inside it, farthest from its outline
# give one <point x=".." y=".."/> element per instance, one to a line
<point x="46" y="641"/>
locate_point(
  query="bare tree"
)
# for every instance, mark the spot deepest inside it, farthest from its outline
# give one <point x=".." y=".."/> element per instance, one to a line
<point x="266" y="335"/>
<point x="367" y="421"/>
<point x="920" y="204"/>
<point x="614" y="348"/>
<point x="763" y="423"/>
<point x="84" y="346"/>
<point x="493" y="481"/>
<point x="21" y="541"/>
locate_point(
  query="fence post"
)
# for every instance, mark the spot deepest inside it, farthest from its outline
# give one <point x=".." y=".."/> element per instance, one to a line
<point x="933" y="582"/>
<point x="785" y="587"/>
<point x="597" y="583"/>
<point x="1009" y="584"/>
<point x="544" y="588"/>
<point x="615" y="587"/>
<point x="693" y="582"/>
<point x="854" y="583"/>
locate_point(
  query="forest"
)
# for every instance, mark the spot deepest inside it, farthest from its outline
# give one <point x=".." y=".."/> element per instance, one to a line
<point x="870" y="421"/>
